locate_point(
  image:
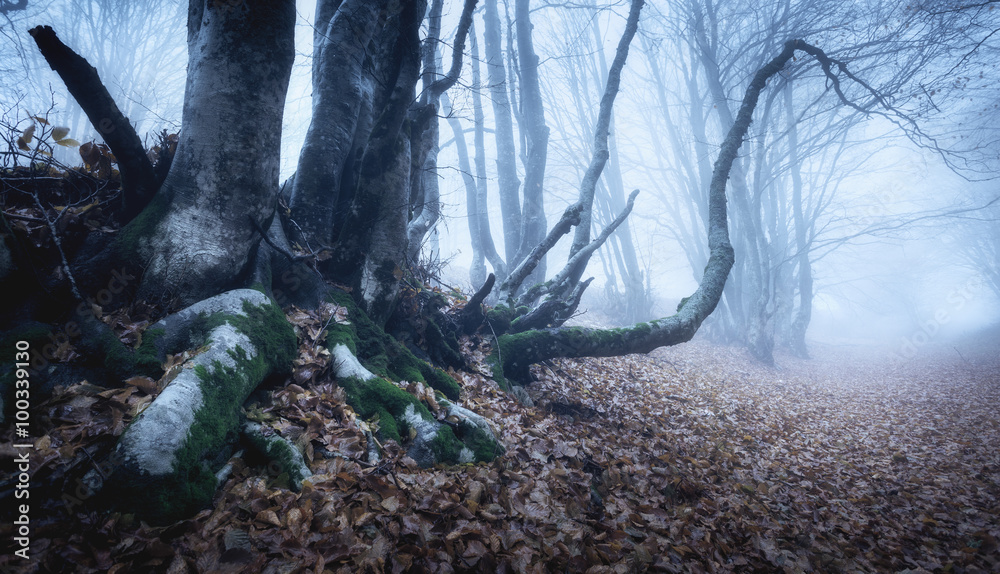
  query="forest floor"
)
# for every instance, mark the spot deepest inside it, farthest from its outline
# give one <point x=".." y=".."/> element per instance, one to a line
<point x="691" y="459"/>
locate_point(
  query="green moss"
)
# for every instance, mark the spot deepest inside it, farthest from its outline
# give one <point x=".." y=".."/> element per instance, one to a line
<point x="482" y="445"/>
<point x="382" y="398"/>
<point x="271" y="334"/>
<point x="216" y="424"/>
<point x="387" y="425"/>
<point x="281" y="452"/>
<point x="682" y="303"/>
<point x="129" y="239"/>
<point x="495" y="363"/>
<point x="446" y="446"/>
<point x="338" y="334"/>
<point x="440" y="381"/>
<point x="147" y="360"/>
<point x="268" y="330"/>
<point x="36" y="334"/>
<point x="122" y="362"/>
<point x="500" y="318"/>
<point x="382" y="354"/>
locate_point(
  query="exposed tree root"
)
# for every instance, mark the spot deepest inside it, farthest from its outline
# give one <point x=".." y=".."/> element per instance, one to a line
<point x="167" y="458"/>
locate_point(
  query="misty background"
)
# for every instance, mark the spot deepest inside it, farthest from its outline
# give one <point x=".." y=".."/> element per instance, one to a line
<point x="899" y="253"/>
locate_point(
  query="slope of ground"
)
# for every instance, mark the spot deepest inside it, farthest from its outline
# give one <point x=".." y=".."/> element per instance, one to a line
<point x="692" y="459"/>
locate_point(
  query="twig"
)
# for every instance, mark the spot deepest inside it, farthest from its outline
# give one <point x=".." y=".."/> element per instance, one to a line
<point x="960" y="354"/>
<point x="62" y="254"/>
<point x="293" y="258"/>
<point x="23" y="217"/>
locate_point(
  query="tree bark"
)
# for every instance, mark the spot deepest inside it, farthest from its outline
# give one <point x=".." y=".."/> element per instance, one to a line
<point x="804" y="312"/>
<point x="371" y="253"/>
<point x="340" y="87"/>
<point x="425" y="195"/>
<point x="195" y="239"/>
<point x="536" y="135"/>
<point x="139" y="182"/>
<point x="509" y="184"/>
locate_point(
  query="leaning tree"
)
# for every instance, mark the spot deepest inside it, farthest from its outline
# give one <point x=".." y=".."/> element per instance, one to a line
<point x="217" y="238"/>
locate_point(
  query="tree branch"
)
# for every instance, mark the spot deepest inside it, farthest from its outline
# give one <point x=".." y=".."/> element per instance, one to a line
<point x="139" y="181"/>
<point x="464" y="23"/>
<point x="570" y="217"/>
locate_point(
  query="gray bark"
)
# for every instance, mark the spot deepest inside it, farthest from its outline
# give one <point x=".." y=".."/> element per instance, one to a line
<point x="425" y="195"/>
<point x="477" y="272"/>
<point x="509" y="184"/>
<point x="606" y="156"/>
<point x="759" y="335"/>
<point x="372" y="240"/>
<point x="482" y="189"/>
<point x="196" y="238"/>
<point x="804" y="312"/>
<point x="340" y="88"/>
<point x="536" y="135"/>
<point x="565" y="285"/>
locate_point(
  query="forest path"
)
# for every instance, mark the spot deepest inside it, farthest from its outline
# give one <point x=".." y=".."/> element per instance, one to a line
<point x="691" y="459"/>
<point x="856" y="460"/>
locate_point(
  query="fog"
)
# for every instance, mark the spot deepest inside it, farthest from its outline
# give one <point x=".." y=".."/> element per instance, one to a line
<point x="900" y="256"/>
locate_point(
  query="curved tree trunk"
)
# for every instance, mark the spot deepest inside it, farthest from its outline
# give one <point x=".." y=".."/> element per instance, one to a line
<point x="517" y="352"/>
<point x="563" y="292"/>
<point x="196" y="238"/>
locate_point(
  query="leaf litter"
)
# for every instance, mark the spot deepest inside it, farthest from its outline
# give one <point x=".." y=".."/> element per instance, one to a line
<point x="690" y="459"/>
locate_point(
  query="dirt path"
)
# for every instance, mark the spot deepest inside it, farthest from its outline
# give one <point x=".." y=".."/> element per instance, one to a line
<point x="856" y="460"/>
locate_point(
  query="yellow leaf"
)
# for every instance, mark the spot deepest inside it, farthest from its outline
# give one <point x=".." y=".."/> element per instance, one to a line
<point x="59" y="133"/>
<point x="68" y="142"/>
<point x="41" y="120"/>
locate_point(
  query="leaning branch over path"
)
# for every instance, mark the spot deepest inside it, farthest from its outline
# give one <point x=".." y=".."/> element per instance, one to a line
<point x="517" y="352"/>
<point x="139" y="182"/>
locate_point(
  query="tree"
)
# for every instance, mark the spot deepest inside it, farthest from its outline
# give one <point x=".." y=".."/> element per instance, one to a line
<point x="212" y="226"/>
<point x="213" y="241"/>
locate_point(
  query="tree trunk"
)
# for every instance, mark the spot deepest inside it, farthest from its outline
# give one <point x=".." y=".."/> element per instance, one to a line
<point x="340" y="88"/>
<point x="760" y="340"/>
<point x="515" y="353"/>
<point x="138" y="180"/>
<point x="196" y="238"/>
<point x="536" y="134"/>
<point x="804" y="312"/>
<point x="482" y="188"/>
<point x="509" y="184"/>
